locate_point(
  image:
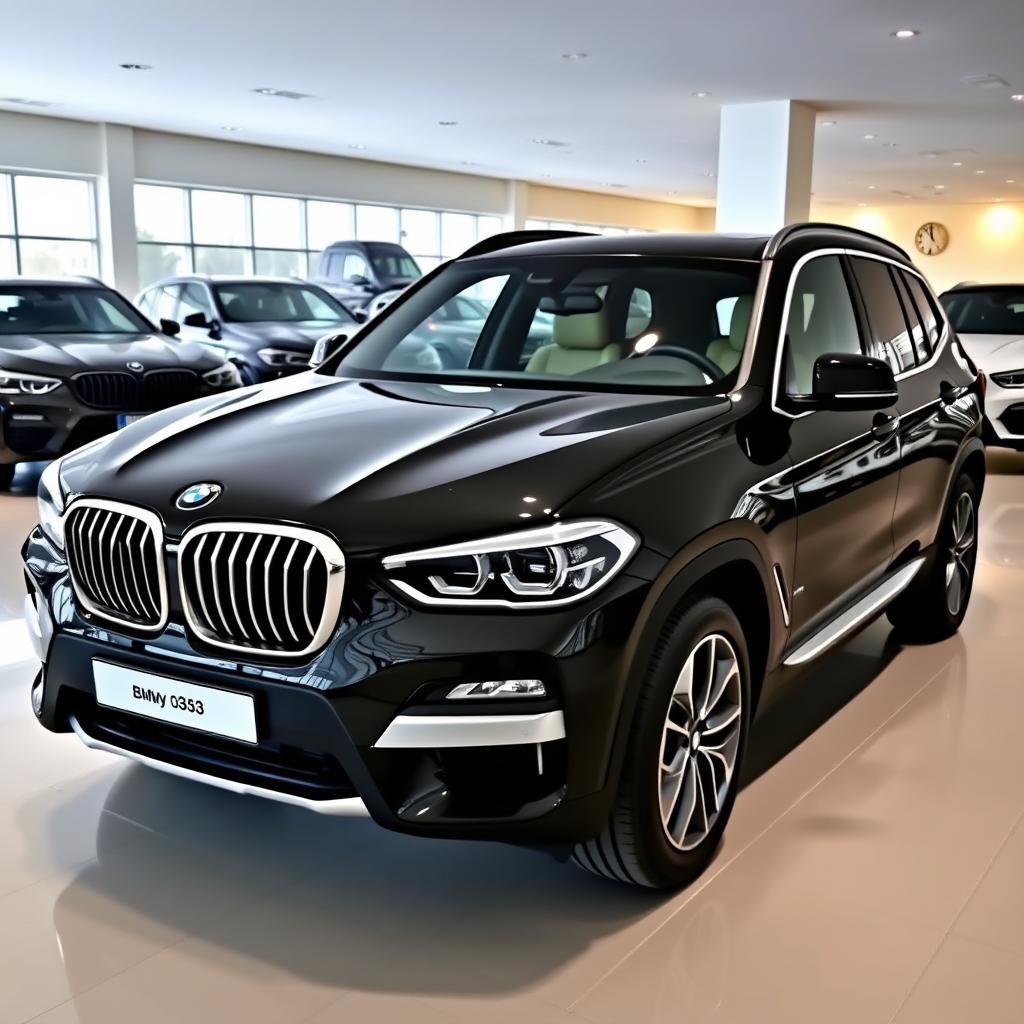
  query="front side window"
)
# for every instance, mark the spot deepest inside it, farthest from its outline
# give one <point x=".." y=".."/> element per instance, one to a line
<point x="997" y="310"/>
<point x="194" y="300"/>
<point x="563" y="321"/>
<point x="354" y="266"/>
<point x="55" y="309"/>
<point x="821" y="321"/>
<point x="259" y="302"/>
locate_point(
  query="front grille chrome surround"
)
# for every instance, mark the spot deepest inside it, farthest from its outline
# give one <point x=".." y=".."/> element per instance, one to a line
<point x="116" y="563"/>
<point x="261" y="588"/>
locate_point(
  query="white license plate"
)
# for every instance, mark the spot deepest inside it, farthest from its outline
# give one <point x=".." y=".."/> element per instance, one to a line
<point x="126" y="421"/>
<point x="203" y="708"/>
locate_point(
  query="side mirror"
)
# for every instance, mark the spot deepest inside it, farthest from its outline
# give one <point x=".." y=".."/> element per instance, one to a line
<point x="324" y="347"/>
<point x="848" y="382"/>
<point x="170" y="327"/>
<point x="196" y="320"/>
<point x="359" y="281"/>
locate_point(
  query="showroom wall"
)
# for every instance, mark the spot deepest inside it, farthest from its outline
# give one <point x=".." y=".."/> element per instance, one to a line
<point x="986" y="240"/>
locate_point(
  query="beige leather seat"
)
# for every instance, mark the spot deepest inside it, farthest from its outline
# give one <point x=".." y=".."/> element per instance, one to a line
<point x="726" y="352"/>
<point x="581" y="342"/>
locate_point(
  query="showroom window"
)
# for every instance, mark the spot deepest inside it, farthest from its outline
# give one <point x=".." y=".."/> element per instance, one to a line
<point x="47" y="225"/>
<point x="183" y="230"/>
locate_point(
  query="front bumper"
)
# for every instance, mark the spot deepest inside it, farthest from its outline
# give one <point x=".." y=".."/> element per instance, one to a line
<point x="367" y="716"/>
<point x="1004" y="415"/>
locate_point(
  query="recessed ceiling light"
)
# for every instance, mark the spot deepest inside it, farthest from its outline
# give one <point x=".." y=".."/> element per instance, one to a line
<point x="905" y="33"/>
<point x="870" y="136"/>
<point x="284" y="94"/>
<point x="640" y="160"/>
<point x="958" y="163"/>
<point x="468" y="163"/>
<point x="1011" y="181"/>
<point x="702" y="94"/>
<point x="136" y="67"/>
<point x="986" y="81"/>
<point x="357" y="145"/>
<point x="229" y="128"/>
<point x="890" y="145"/>
<point x="447" y="124"/>
<point x="979" y="172"/>
<point x="940" y="187"/>
<point x="549" y="142"/>
<point x="827" y="124"/>
<point x="1018" y="97"/>
<point x="575" y="56"/>
<point x="871" y="188"/>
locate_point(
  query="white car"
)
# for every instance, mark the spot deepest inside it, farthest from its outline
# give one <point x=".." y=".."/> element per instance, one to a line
<point x="989" y="320"/>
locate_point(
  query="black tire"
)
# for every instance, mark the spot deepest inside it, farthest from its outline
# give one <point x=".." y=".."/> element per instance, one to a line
<point x="635" y="847"/>
<point x="7" y="470"/>
<point x="925" y="611"/>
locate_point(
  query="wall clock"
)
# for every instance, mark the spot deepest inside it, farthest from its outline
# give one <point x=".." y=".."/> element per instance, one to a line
<point x="931" y="238"/>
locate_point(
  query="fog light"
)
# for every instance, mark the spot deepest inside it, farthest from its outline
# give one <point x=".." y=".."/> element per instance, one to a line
<point x="499" y="688"/>
<point x="37" y="696"/>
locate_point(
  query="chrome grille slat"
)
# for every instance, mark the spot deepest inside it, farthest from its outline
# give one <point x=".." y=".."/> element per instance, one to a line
<point x="115" y="554"/>
<point x="293" y="579"/>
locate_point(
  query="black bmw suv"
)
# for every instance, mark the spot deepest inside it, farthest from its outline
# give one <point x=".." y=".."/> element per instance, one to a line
<point x="77" y="360"/>
<point x="539" y="596"/>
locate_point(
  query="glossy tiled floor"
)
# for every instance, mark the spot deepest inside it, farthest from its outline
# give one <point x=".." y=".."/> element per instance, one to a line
<point x="873" y="870"/>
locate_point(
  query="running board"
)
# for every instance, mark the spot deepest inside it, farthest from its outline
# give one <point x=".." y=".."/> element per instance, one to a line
<point x="870" y="604"/>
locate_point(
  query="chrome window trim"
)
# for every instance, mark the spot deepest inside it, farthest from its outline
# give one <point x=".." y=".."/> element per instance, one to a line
<point x="777" y="391"/>
<point x="329" y="550"/>
<point x="156" y="527"/>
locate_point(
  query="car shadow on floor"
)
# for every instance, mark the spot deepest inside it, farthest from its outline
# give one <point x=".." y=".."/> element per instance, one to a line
<point x="338" y="901"/>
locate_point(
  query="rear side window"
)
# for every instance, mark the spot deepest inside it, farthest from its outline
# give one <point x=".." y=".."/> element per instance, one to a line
<point x="890" y="334"/>
<point x="926" y="311"/>
<point x="821" y="321"/>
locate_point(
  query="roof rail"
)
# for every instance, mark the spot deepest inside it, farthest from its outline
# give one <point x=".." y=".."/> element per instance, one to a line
<point x="507" y="239"/>
<point x="784" y="234"/>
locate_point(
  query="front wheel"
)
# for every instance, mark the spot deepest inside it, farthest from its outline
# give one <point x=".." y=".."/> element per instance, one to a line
<point x="935" y="604"/>
<point x="687" y="740"/>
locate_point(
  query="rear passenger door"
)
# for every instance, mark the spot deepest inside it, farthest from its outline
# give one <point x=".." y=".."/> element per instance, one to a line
<point x="846" y="463"/>
<point x="906" y="326"/>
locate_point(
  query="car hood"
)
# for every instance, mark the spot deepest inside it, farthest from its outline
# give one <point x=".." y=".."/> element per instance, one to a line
<point x="63" y="355"/>
<point x="302" y="336"/>
<point x="995" y="352"/>
<point x="382" y="464"/>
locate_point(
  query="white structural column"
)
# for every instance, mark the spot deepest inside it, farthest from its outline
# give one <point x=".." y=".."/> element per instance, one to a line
<point x="765" y="157"/>
<point x="115" y="202"/>
<point x="518" y="204"/>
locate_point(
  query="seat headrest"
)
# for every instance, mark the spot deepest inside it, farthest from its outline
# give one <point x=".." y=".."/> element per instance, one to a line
<point x="581" y="330"/>
<point x="739" y="322"/>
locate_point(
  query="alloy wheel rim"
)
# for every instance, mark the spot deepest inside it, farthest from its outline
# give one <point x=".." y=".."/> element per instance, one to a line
<point x="958" y="560"/>
<point x="700" y="742"/>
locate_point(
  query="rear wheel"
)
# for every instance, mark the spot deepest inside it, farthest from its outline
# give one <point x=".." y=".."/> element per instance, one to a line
<point x="6" y="475"/>
<point x="678" y="782"/>
<point x="935" y="604"/>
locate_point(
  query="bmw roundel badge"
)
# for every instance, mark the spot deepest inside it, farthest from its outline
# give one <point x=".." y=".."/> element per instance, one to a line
<point x="198" y="496"/>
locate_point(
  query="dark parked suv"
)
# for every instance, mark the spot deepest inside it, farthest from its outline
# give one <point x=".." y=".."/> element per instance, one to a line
<point x="266" y="326"/>
<point x="77" y="360"/>
<point x="539" y="597"/>
<point x="366" y="276"/>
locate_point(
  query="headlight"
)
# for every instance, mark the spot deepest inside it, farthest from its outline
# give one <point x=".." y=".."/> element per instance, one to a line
<point x="540" y="568"/>
<point x="12" y="383"/>
<point x="282" y="357"/>
<point x="1008" y="379"/>
<point x="224" y="376"/>
<point x="50" y="499"/>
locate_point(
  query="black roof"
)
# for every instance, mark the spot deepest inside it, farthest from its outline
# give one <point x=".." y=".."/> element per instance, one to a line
<point x="698" y="245"/>
<point x="70" y="281"/>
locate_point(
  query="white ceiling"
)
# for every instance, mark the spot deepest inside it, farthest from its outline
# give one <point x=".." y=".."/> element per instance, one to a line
<point x="382" y="74"/>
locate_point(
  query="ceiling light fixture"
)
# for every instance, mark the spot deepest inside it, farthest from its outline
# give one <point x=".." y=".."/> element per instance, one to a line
<point x="905" y="33"/>
<point x="229" y="128"/>
<point x="575" y="56"/>
<point x="447" y="124"/>
<point x="870" y="136"/>
<point x="828" y="124"/>
<point x="958" y="163"/>
<point x="1011" y="181"/>
<point x="871" y="188"/>
<point x="357" y="145"/>
<point x="890" y="145"/>
<point x="979" y="172"/>
<point x="640" y="160"/>
<point x="549" y="142"/>
<point x="1018" y="97"/>
<point x="702" y="94"/>
<point x="136" y="67"/>
<point x="283" y="94"/>
<point x="986" y="81"/>
<point x="940" y="187"/>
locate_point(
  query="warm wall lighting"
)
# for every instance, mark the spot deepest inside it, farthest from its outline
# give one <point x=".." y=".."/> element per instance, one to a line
<point x="1001" y="220"/>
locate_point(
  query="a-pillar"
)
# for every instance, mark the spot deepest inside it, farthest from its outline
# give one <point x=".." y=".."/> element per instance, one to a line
<point x="765" y="158"/>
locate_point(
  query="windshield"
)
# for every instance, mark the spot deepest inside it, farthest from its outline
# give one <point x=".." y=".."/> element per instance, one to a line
<point x="589" y="322"/>
<point x="392" y="262"/>
<point x="986" y="311"/>
<point x="263" y="301"/>
<point x="66" y="309"/>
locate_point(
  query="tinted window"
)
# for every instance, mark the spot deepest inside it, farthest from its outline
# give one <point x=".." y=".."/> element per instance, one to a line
<point x="274" y="302"/>
<point x="55" y="309"/>
<point x="392" y="262"/>
<point x="986" y="311"/>
<point x="890" y="337"/>
<point x="926" y="311"/>
<point x="354" y="265"/>
<point x="821" y="321"/>
<point x="562" y="321"/>
<point x="194" y="300"/>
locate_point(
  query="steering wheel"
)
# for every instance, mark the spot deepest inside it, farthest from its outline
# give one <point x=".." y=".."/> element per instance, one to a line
<point x="702" y="362"/>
